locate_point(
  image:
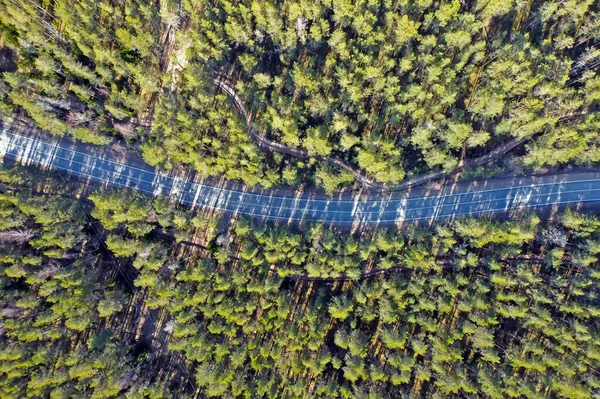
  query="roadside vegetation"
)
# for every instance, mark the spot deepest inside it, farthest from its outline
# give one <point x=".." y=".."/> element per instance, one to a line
<point x="392" y="89"/>
<point x="68" y="321"/>
<point x="112" y="293"/>
<point x="474" y="307"/>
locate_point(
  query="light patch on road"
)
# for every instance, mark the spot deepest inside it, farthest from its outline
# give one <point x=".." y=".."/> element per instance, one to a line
<point x="401" y="215"/>
<point x="522" y="199"/>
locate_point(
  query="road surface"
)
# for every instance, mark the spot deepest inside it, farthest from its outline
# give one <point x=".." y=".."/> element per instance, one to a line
<point x="375" y="208"/>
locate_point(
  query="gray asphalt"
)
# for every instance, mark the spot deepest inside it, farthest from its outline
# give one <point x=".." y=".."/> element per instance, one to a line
<point x="377" y="209"/>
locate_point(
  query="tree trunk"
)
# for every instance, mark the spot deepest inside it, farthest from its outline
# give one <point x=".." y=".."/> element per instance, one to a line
<point x="17" y="236"/>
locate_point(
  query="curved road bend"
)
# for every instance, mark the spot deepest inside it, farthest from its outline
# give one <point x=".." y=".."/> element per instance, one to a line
<point x="374" y="209"/>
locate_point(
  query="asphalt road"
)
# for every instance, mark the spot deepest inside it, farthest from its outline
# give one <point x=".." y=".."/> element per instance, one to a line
<point x="472" y="199"/>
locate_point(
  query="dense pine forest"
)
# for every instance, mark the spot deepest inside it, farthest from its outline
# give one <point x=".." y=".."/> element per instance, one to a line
<point x="122" y="295"/>
<point x="68" y="324"/>
<point x="387" y="89"/>
<point x="109" y="293"/>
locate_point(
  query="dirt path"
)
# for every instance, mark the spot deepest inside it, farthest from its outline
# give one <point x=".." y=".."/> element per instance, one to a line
<point x="360" y="177"/>
<point x="263" y="142"/>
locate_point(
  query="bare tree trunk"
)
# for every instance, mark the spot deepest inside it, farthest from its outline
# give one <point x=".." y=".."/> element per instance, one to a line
<point x="17" y="236"/>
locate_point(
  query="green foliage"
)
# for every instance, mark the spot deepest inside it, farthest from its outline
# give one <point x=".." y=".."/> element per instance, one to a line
<point x="57" y="339"/>
<point x="440" y="314"/>
<point x="340" y="308"/>
<point x="122" y="247"/>
<point x="391" y="89"/>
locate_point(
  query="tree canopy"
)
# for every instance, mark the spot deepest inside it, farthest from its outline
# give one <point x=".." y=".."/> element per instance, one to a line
<point x="391" y="89"/>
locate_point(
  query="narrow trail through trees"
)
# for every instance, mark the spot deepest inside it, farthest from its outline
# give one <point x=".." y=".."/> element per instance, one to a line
<point x="361" y="178"/>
